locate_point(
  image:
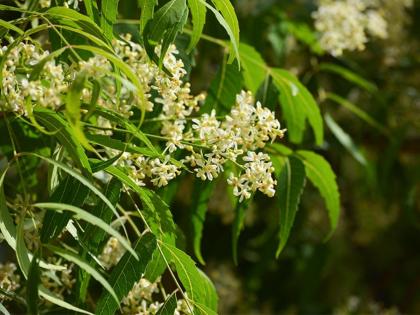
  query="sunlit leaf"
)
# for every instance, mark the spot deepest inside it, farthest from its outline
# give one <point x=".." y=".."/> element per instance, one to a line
<point x="109" y="11"/>
<point x="167" y="22"/>
<point x="227" y="18"/>
<point x="197" y="285"/>
<point x="64" y="134"/>
<point x="198" y="14"/>
<point x="147" y="9"/>
<point x="92" y="10"/>
<point x="168" y="308"/>
<point x="298" y="105"/>
<point x="320" y="173"/>
<point x="254" y="68"/>
<point x="10" y="26"/>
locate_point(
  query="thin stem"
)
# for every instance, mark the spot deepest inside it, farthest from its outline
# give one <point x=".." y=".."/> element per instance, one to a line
<point x="127" y="214"/>
<point x="209" y="38"/>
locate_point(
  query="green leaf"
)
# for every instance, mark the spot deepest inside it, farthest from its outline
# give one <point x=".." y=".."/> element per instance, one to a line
<point x="237" y="227"/>
<point x="221" y="95"/>
<point x="319" y="172"/>
<point x="197" y="285"/>
<point x="21" y="250"/>
<point x="73" y="98"/>
<point x="147" y="9"/>
<point x="109" y="11"/>
<point x="3" y="310"/>
<point x="163" y="28"/>
<point x="51" y="297"/>
<point x="298" y="104"/>
<point x="280" y="148"/>
<point x="100" y="165"/>
<point x="290" y="187"/>
<point x="200" y="309"/>
<point x="168" y="308"/>
<point x="349" y="76"/>
<point x="92" y="235"/>
<point x="122" y="121"/>
<point x="293" y="112"/>
<point x="156" y="266"/>
<point x="69" y="191"/>
<point x="10" y="26"/>
<point x="86" y="216"/>
<point x="92" y="10"/>
<point x="64" y="134"/>
<point x="200" y="198"/>
<point x="126" y="273"/>
<point x="227" y="18"/>
<point x="357" y="111"/>
<point x="198" y="14"/>
<point x="79" y="177"/>
<point x="211" y="299"/>
<point x="73" y="109"/>
<point x="155" y="211"/>
<point x="34" y="278"/>
<point x="345" y="139"/>
<point x="119" y="145"/>
<point x="254" y="68"/>
<point x="69" y="17"/>
<point x="66" y="254"/>
<point x="7" y="227"/>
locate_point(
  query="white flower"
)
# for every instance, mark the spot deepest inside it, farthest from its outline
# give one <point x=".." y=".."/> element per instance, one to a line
<point x="206" y="125"/>
<point x="376" y="24"/>
<point x="163" y="172"/>
<point x="208" y="168"/>
<point x="44" y="3"/>
<point x="112" y="253"/>
<point x="343" y="24"/>
<point x="9" y="279"/>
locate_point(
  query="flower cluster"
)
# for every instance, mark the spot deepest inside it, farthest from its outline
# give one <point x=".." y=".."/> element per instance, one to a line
<point x="9" y="280"/>
<point x="245" y="129"/>
<point x="112" y="253"/>
<point x="20" y="89"/>
<point x="345" y="24"/>
<point x="207" y="141"/>
<point x="60" y="282"/>
<point x="257" y="176"/>
<point x="142" y="300"/>
<point x="233" y="139"/>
